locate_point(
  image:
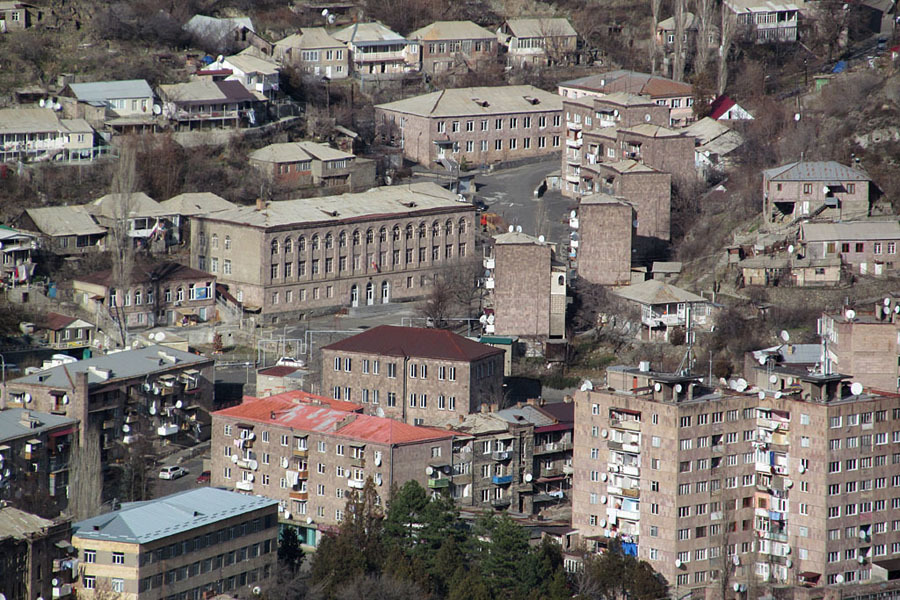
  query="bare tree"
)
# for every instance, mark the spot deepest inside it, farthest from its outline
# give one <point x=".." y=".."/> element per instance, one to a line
<point x="86" y="476"/>
<point x="123" y="187"/>
<point x="655" y="6"/>
<point x="727" y="31"/>
<point x="679" y="58"/>
<point x="703" y="12"/>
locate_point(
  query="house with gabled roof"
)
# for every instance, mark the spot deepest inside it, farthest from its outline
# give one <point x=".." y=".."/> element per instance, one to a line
<point x="540" y="41"/>
<point x="376" y="52"/>
<point x="206" y="104"/>
<point x="64" y="230"/>
<point x="315" y="52"/>
<point x="868" y="246"/>
<point x="416" y="375"/>
<point x="809" y="189"/>
<point x="665" y="306"/>
<point x="63" y="332"/>
<point x="723" y="108"/>
<point x="454" y="46"/>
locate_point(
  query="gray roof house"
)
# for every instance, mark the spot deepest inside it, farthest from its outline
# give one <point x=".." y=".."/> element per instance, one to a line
<point x="64" y="230"/>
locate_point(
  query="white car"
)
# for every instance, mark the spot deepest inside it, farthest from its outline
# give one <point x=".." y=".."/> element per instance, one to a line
<point x="172" y="472"/>
<point x="287" y="361"/>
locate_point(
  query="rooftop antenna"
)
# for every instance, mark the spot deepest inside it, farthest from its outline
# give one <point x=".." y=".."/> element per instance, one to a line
<point x="687" y="361"/>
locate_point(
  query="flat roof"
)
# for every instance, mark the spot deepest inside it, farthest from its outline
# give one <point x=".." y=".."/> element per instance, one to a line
<point x="11" y="427"/>
<point x="851" y="231"/>
<point x="97" y="91"/>
<point x="477" y="101"/>
<point x="417" y="342"/>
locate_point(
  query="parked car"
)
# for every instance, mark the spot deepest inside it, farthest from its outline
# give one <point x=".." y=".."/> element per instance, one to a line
<point x="172" y="472"/>
<point x="203" y="477"/>
<point x="288" y="361"/>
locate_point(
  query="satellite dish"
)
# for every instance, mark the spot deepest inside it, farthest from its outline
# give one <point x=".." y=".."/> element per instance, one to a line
<point x="856" y="388"/>
<point x="677" y="563"/>
<point x="331" y="19"/>
<point x="429" y="470"/>
<point x="160" y="336"/>
<point x="587" y="385"/>
<point x="647" y="117"/>
<point x="157" y="109"/>
<point x="528" y="477"/>
<point x="761" y="360"/>
<point x="778" y="395"/>
<point x="54" y="582"/>
<point x="126" y="427"/>
<point x="761" y="395"/>
<point x="220" y="59"/>
<point x="573" y="214"/>
<point x="257" y="590"/>
<point x="179" y="404"/>
<point x="57" y="106"/>
<point x="491" y="319"/>
<point x="379" y="412"/>
<point x="839" y="578"/>
<point x="146" y="387"/>
<point x="635" y="223"/>
<point x="615" y="112"/>
<point x="788" y="483"/>
<point x="482" y="319"/>
<point x="541" y="239"/>
<point x="511" y="229"/>
<point x="602" y="522"/>
<point x="378" y="479"/>
<point x="791" y="249"/>
<point x="796" y="116"/>
<point x="324" y="12"/>
<point x="773" y="378"/>
<point x="736" y="560"/>
<point x="678" y="388"/>
<point x="789" y="563"/>
<point x="42" y="103"/>
<point x="657" y="387"/>
<point x="234" y="458"/>
<point x="603" y="499"/>
<point x="604" y="477"/>
<point x="887" y="301"/>
<point x="801" y="469"/>
<point x="850" y="314"/>
<point x="862" y="534"/>
<point x="736" y="587"/>
<point x="604" y="433"/>
<point x="897" y="309"/>
<point x="309" y="520"/>
<point x="518" y="229"/>
<point x="65" y="399"/>
<point x="287" y="514"/>
<point x="27" y="398"/>
<point x="740" y="385"/>
<point x="785" y="336"/>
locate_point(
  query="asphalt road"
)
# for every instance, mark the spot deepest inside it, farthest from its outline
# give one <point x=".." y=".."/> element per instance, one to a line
<point x="164" y="487"/>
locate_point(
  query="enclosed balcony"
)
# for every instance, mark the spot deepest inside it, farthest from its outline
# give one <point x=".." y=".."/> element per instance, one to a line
<point x="436" y="483"/>
<point x="501" y="479"/>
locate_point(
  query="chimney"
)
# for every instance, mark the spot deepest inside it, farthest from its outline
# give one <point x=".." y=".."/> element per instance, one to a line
<point x="260" y="204"/>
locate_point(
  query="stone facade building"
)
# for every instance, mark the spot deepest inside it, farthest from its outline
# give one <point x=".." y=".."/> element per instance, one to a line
<point x="315" y="53"/>
<point x="419" y="376"/>
<point x="782" y="488"/>
<point x="868" y="247"/>
<point x="290" y="258"/>
<point x="664" y="149"/>
<point x="305" y="164"/>
<point x="310" y="457"/>
<point x="866" y="346"/>
<point x="528" y="287"/>
<point x="605" y="226"/>
<point x="808" y="189"/>
<point x="476" y="126"/>
<point x="454" y="46"/>
<point x="538" y="42"/>
<point x="188" y="544"/>
<point x="34" y="555"/>
<point x="649" y="190"/>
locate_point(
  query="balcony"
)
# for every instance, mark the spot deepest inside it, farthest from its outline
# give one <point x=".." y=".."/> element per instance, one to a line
<point x="574" y="143"/>
<point x="62" y="591"/>
<point x="358" y="462"/>
<point x="300" y="452"/>
<point x="365" y="57"/>
<point x="500" y="502"/>
<point x="626" y="424"/>
<point x="245" y="486"/>
<point x="247" y="463"/>
<point x="573" y="126"/>
<point x="551" y="447"/>
<point x="302" y="474"/>
<point x="356" y="484"/>
<point x="500" y="455"/>
<point x="501" y="479"/>
<point x="489" y="283"/>
<point x="632" y="493"/>
<point x="438" y="483"/>
<point x="489" y="262"/>
<point x="299" y="495"/>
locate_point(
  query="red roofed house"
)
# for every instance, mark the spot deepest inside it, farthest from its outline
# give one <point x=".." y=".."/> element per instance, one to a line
<point x="310" y="457"/>
<point x="419" y="376"/>
<point x="63" y="332"/>
<point x="724" y="108"/>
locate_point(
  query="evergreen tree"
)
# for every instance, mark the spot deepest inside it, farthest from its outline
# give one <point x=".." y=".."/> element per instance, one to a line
<point x="290" y="554"/>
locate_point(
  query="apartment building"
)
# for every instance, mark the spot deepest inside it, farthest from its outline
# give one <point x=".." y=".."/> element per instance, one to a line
<point x="865" y="344"/>
<point x="315" y="52"/>
<point x="475" y="126"/>
<point x="34" y="450"/>
<point x="454" y="46"/>
<point x="787" y="488"/>
<point x="415" y="375"/>
<point x="185" y="545"/>
<point x="868" y="246"/>
<point x="34" y="555"/>
<point x="538" y="42"/>
<point x="527" y="287"/>
<point x="676" y="95"/>
<point x="764" y="21"/>
<point x="376" y="52"/>
<point x="30" y="134"/>
<point x="808" y="189"/>
<point x="305" y="164"/>
<point x="664" y="149"/>
<point x="606" y="227"/>
<point x="290" y="258"/>
<point x="157" y="391"/>
<point x="309" y="457"/>
<point x="647" y="189"/>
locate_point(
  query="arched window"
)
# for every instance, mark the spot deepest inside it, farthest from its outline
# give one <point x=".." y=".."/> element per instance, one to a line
<point x="274" y="246"/>
<point x="462" y="226"/>
<point x="435" y="229"/>
<point x="215" y="240"/>
<point x="561" y="280"/>
<point x="382" y="235"/>
<point x="342" y="239"/>
<point x="448" y="227"/>
<point x="422" y="230"/>
<point x="315" y="242"/>
<point x="370" y="236"/>
<point x="396" y="233"/>
<point x="288" y="245"/>
<point x="301" y="244"/>
<point x="409" y="232"/>
<point x="329" y="241"/>
<point x="228" y="242"/>
<point x="138" y="297"/>
<point x="179" y="295"/>
<point x="357" y="237"/>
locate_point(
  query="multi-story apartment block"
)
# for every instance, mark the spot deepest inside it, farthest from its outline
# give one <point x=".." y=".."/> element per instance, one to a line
<point x="809" y="189"/>
<point x="451" y="46"/>
<point x="762" y="21"/>
<point x="376" y="52"/>
<point x="159" y="294"/>
<point x="538" y="42"/>
<point x="293" y="257"/>
<point x="527" y="285"/>
<point x="662" y="148"/>
<point x="865" y="344"/>
<point x="676" y="95"/>
<point x="785" y="487"/>
<point x="868" y="246"/>
<point x="184" y="545"/>
<point x="310" y="457"/>
<point x="28" y="134"/>
<point x="416" y="375"/>
<point x="647" y="189"/>
<point x="34" y="555"/>
<point x="156" y="391"/>
<point x="314" y="52"/>
<point x="306" y="164"/>
<point x="34" y="450"/>
<point x="476" y="126"/>
<point x="606" y="227"/>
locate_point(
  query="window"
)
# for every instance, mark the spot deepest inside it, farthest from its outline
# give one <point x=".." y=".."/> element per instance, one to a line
<point x="118" y="558"/>
<point x="90" y="556"/>
<point x="90" y="582"/>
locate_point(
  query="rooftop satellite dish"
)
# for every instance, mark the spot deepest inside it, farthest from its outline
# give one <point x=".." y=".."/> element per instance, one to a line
<point x="825" y="190"/>
<point x="57" y="106"/>
<point x="740" y="385"/>
<point x="541" y="240"/>
<point x="324" y="12"/>
<point x="657" y="387"/>
<point x="126" y="427"/>
<point x="887" y="301"/>
<point x="791" y="249"/>
<point x="152" y="336"/>
<point x="785" y="336"/>
<point x="761" y="395"/>
<point x="773" y="378"/>
<point x="850" y="314"/>
<point x="796" y="116"/>
<point x="511" y="229"/>
<point x="647" y="117"/>
<point x="856" y="388"/>
<point x="518" y="229"/>
<point x="761" y="360"/>
<point x="678" y="388"/>
<point x="331" y="19"/>
<point x="587" y="385"/>
<point x="220" y="58"/>
<point x="157" y="109"/>
<point x="160" y="336"/>
<point x="573" y="214"/>
<point x="528" y="477"/>
<point x="379" y="412"/>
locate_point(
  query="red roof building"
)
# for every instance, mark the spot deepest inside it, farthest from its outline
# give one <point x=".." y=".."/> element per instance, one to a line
<point x="415" y="375"/>
<point x="724" y="108"/>
<point x="297" y="449"/>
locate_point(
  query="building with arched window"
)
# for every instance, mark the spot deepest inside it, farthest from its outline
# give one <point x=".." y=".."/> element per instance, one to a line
<point x="294" y="257"/>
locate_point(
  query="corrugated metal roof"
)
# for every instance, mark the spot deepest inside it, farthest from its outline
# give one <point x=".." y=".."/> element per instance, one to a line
<point x="64" y="220"/>
<point x="144" y="271"/>
<point x="415" y="342"/>
<point x="138" y="204"/>
<point x="201" y="91"/>
<point x="759" y="6"/>
<point x="850" y="231"/>
<point x="815" y="171"/>
<point x="97" y="91"/>
<point x="15" y="523"/>
<point x="655" y="291"/>
<point x="11" y="428"/>
<point x="195" y="203"/>
<point x="452" y="30"/>
<point x="310" y="37"/>
<point x="29" y="120"/>
<point x="525" y="414"/>
<point x="248" y="63"/>
<point x="478" y="101"/>
<point x="368" y="33"/>
<point x="601" y="198"/>
<point x="299" y="396"/>
<point x="388" y="200"/>
<point x="654" y="131"/>
<point x="143" y="522"/>
<point x="627" y="166"/>
<point x="541" y="27"/>
<point x="514" y="237"/>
